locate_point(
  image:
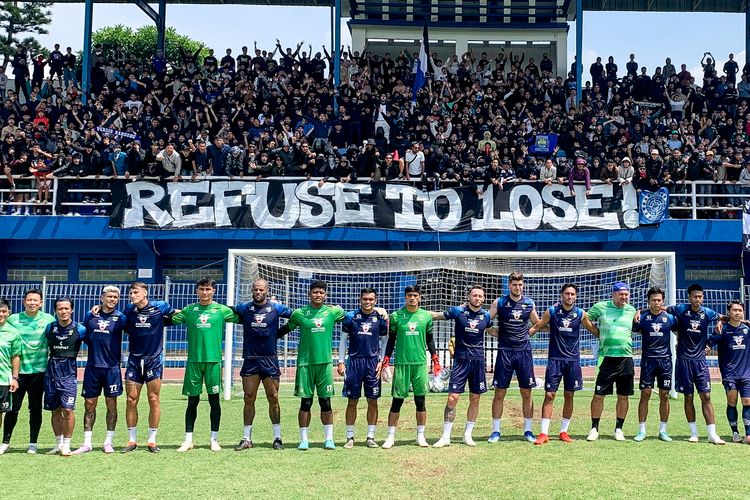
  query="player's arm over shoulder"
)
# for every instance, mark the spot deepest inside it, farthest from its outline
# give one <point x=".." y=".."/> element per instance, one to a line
<point x="229" y="315"/>
<point x="282" y="310"/>
<point x="177" y="318"/>
<point x="493" y="308"/>
<point x="542" y="323"/>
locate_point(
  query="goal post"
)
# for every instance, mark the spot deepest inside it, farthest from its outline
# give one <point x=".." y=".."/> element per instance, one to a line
<point x="444" y="278"/>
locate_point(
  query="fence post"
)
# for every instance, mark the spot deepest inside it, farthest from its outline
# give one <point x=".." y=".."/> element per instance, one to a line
<point x="55" y="186"/>
<point x="167" y="283"/>
<point x="694" y="200"/>
<point x="44" y="293"/>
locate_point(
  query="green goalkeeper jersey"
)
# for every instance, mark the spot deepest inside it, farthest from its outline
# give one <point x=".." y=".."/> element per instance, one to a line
<point x="205" y="330"/>
<point x="315" y="333"/>
<point x="10" y="345"/>
<point x="615" y="329"/>
<point x="34" y="352"/>
<point x="411" y="335"/>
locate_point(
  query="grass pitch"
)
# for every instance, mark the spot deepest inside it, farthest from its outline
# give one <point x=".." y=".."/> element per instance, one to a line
<point x="510" y="468"/>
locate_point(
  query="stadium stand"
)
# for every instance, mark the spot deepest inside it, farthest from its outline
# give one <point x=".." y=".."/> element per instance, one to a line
<point x="483" y="118"/>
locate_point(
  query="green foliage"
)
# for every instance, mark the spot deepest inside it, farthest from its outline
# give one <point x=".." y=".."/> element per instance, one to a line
<point x="140" y="44"/>
<point x="18" y="18"/>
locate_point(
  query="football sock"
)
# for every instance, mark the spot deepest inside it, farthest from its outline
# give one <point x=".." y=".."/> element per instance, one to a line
<point x="711" y="430"/>
<point x="545" y="426"/>
<point x="595" y="423"/>
<point x="109" y="437"/>
<point x="215" y="412"/>
<point x="527" y="423"/>
<point x="746" y="419"/>
<point x="132" y="434"/>
<point x="392" y="430"/>
<point x="662" y="427"/>
<point x="214" y="435"/>
<point x="87" y="438"/>
<point x="248" y="432"/>
<point x="447" y="429"/>
<point x="188" y="437"/>
<point x="328" y="432"/>
<point x="66" y="442"/>
<point x="618" y="424"/>
<point x="565" y="425"/>
<point x="277" y="431"/>
<point x="349" y="431"/>
<point x="693" y="428"/>
<point x="191" y="412"/>
<point x="420" y="430"/>
<point x="732" y="416"/>
<point x="152" y="435"/>
<point x="495" y="425"/>
<point x="303" y="434"/>
<point x="371" y="431"/>
<point x="59" y="439"/>
<point x="642" y="427"/>
<point x="469" y="428"/>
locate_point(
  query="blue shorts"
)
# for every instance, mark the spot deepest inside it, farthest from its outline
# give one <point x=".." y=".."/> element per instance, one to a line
<point x="263" y="367"/>
<point x="567" y="370"/>
<point x="143" y="370"/>
<point x="520" y="362"/>
<point x="741" y="385"/>
<point x="659" y="369"/>
<point x="361" y="372"/>
<point x="59" y="392"/>
<point x="96" y="380"/>
<point x="472" y="370"/>
<point x="692" y="372"/>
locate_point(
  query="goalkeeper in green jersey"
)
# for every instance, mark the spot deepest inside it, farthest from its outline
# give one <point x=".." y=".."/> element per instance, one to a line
<point x="410" y="332"/>
<point x="314" y="360"/>
<point x="205" y="321"/>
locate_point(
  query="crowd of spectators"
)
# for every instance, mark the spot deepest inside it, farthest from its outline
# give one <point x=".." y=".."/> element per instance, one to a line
<point x="277" y="113"/>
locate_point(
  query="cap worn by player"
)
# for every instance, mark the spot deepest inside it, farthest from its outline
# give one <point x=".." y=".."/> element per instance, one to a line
<point x="620" y="286"/>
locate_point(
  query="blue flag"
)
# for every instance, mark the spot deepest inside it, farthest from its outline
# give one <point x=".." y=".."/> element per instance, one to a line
<point x="653" y="208"/>
<point x="422" y="65"/>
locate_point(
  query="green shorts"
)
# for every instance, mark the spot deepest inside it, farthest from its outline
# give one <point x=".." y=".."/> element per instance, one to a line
<point x="409" y="375"/>
<point x="198" y="372"/>
<point x="314" y="377"/>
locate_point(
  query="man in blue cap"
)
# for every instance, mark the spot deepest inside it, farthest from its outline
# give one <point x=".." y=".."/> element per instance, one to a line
<point x="615" y="364"/>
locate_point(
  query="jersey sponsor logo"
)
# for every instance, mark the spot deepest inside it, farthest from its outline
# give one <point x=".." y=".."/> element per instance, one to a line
<point x="259" y="321"/>
<point x="203" y="321"/>
<point x="473" y="324"/>
<point x="102" y="326"/>
<point x="365" y="329"/>
<point x="738" y="339"/>
<point x="656" y="330"/>
<point x="318" y="322"/>
<point x="143" y="321"/>
<point x="566" y="323"/>
<point x="412" y="326"/>
<point x="694" y="326"/>
<point x="203" y="318"/>
<point x="516" y="315"/>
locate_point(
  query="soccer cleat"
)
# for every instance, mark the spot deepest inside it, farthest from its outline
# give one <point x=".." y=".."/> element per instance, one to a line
<point x="442" y="443"/>
<point x="245" y="444"/>
<point x="328" y="444"/>
<point x="593" y="435"/>
<point x="663" y="436"/>
<point x="736" y="438"/>
<point x="65" y="451"/>
<point x="4" y="448"/>
<point x="83" y="449"/>
<point x="32" y="449"/>
<point x="541" y="439"/>
<point x="185" y="446"/>
<point x="53" y="451"/>
<point x="131" y="446"/>
<point x="715" y="439"/>
<point x="108" y="448"/>
<point x="693" y="439"/>
<point x="277" y="444"/>
<point x="746" y="441"/>
<point x="620" y="436"/>
<point x="529" y="436"/>
<point x="303" y="446"/>
<point x="370" y="443"/>
<point x="349" y="443"/>
<point x="389" y="442"/>
<point x="214" y="445"/>
<point x="468" y="440"/>
<point x="152" y="448"/>
<point x="494" y="437"/>
<point x="639" y="437"/>
<point x="422" y="442"/>
<point x="565" y="438"/>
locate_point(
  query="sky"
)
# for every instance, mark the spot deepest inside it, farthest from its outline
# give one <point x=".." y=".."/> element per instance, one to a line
<point x="650" y="36"/>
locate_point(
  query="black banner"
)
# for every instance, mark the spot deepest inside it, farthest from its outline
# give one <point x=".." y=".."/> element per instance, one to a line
<point x="280" y="204"/>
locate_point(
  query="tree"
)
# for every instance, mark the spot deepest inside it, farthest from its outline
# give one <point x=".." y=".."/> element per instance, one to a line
<point x="141" y="43"/>
<point x="17" y="18"/>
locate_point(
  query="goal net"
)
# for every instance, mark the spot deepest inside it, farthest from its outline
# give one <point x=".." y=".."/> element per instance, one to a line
<point x="444" y="278"/>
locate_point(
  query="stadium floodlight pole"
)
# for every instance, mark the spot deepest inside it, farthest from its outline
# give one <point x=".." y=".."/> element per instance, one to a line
<point x="747" y="32"/>
<point x="579" y="50"/>
<point x="336" y="52"/>
<point x="161" y="28"/>
<point x="88" y="15"/>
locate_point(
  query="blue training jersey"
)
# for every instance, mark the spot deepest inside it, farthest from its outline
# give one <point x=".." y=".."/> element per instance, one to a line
<point x="364" y="332"/>
<point x="104" y="338"/>
<point x="63" y="343"/>
<point x="469" y="331"/>
<point x="692" y="330"/>
<point x="513" y="320"/>
<point x="734" y="358"/>
<point x="565" y="333"/>
<point x="260" y="323"/>
<point x="145" y="328"/>
<point x="656" y="333"/>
